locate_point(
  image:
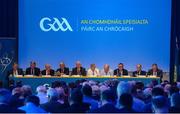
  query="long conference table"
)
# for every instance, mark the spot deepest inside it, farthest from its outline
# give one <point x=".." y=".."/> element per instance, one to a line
<point x="35" y="81"/>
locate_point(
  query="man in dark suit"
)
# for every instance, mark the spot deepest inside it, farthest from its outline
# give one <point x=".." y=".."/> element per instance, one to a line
<point x="126" y="103"/>
<point x="15" y="70"/>
<point x="5" y="107"/>
<point x="155" y="71"/>
<point x="120" y="71"/>
<point x="48" y="70"/>
<point x="78" y="70"/>
<point x="175" y="103"/>
<point x="108" y="101"/>
<point x="53" y="106"/>
<point x="139" y="71"/>
<point x="76" y="103"/>
<point x="63" y="70"/>
<point x="33" y="70"/>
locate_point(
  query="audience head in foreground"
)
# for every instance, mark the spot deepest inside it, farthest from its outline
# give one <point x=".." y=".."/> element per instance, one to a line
<point x="81" y="96"/>
<point x="160" y="104"/>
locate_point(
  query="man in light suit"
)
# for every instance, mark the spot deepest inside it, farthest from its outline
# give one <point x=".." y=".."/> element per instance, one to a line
<point x="106" y="71"/>
<point x="93" y="71"/>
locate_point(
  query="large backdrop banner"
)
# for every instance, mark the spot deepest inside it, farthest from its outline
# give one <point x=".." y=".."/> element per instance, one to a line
<point x="95" y="31"/>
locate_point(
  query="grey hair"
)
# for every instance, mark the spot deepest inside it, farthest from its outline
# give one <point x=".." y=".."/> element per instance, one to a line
<point x="52" y="94"/>
<point x="123" y="87"/>
<point x="41" y="89"/>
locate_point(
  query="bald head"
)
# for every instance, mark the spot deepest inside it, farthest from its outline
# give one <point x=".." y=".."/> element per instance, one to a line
<point x="106" y="67"/>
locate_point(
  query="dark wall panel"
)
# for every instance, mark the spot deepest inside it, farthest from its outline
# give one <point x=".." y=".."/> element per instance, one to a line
<point x="8" y="36"/>
<point x="8" y="18"/>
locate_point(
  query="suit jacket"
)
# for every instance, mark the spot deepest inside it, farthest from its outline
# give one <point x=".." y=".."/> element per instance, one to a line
<point x="126" y="110"/>
<point x="117" y="72"/>
<point x="51" y="72"/>
<point x="174" y="109"/>
<point x="19" y="70"/>
<point x="82" y="71"/>
<point x="15" y="102"/>
<point x="66" y="71"/>
<point x="8" y="109"/>
<point x="36" y="71"/>
<point x="135" y="73"/>
<point x="159" y="73"/>
<point x="54" y="107"/>
<point x="107" y="108"/>
<point x="77" y="108"/>
<point x="10" y="72"/>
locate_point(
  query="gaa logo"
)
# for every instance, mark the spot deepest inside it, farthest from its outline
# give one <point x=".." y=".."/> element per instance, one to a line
<point x="54" y="24"/>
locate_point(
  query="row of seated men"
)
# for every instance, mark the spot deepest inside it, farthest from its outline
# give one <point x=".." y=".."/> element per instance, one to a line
<point x="79" y="70"/>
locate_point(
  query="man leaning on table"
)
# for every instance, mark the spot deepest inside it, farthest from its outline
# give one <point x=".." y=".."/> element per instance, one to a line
<point x="33" y="70"/>
<point x="78" y="70"/>
<point x="139" y="71"/>
<point x="48" y="71"/>
<point x="120" y="71"/>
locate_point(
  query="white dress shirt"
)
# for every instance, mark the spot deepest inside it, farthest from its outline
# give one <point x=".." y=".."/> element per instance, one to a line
<point x="109" y="73"/>
<point x="15" y="73"/>
<point x="93" y="73"/>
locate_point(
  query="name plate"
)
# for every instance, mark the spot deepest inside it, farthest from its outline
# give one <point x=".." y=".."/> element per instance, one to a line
<point x="29" y="76"/>
<point x="92" y="76"/>
<point x="65" y="76"/>
<point x="142" y="76"/>
<point x="107" y="76"/>
<point x="46" y="76"/>
<point x="18" y="76"/>
<point x="153" y="76"/>
<point x="126" y="76"/>
<point x="76" y="76"/>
